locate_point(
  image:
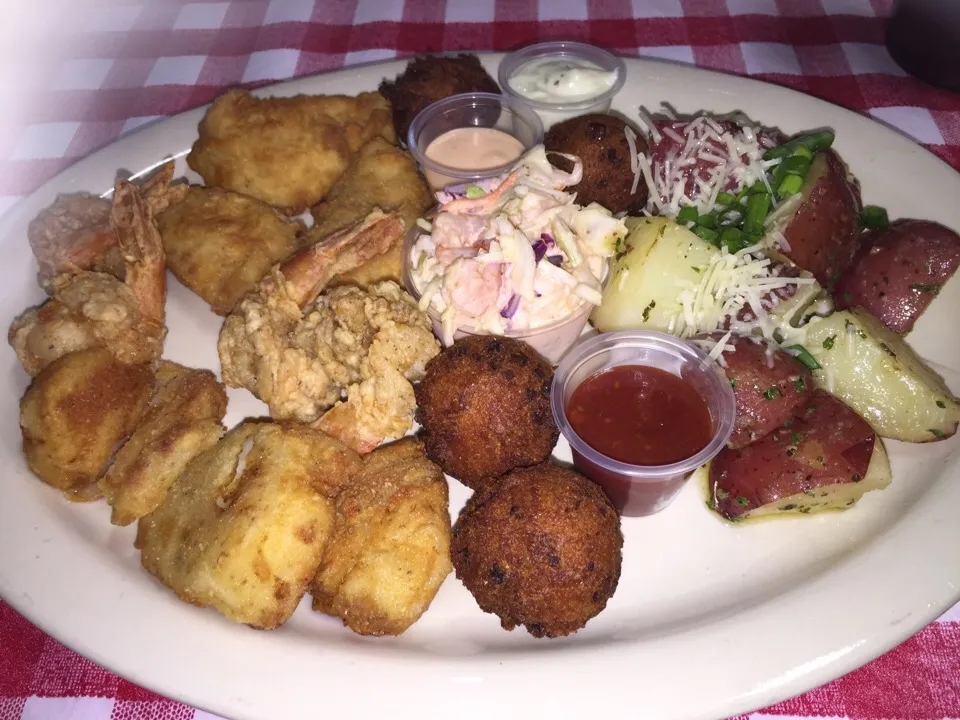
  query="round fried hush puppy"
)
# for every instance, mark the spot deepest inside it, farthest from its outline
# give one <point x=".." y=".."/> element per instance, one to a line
<point x="600" y="141"/>
<point x="540" y="549"/>
<point x="430" y="78"/>
<point x="484" y="406"/>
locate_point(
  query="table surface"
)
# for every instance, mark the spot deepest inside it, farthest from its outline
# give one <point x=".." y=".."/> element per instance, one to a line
<point x="98" y="71"/>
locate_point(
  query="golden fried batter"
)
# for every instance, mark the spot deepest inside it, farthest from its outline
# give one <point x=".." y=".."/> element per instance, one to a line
<point x="74" y="414"/>
<point x="92" y="309"/>
<point x="299" y="353"/>
<point x="390" y="551"/>
<point x="286" y="151"/>
<point x="182" y="420"/>
<point x="220" y="243"/>
<point x="244" y="528"/>
<point x="381" y="176"/>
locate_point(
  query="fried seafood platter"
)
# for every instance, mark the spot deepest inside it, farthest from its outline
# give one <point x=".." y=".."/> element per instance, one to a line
<point x="283" y="433"/>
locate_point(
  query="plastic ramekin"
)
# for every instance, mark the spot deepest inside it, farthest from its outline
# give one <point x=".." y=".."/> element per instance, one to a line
<point x="487" y="110"/>
<point x="551" y="341"/>
<point x="642" y="489"/>
<point x="552" y="113"/>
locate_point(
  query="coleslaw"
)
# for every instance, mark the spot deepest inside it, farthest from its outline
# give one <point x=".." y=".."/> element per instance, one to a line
<point x="514" y="252"/>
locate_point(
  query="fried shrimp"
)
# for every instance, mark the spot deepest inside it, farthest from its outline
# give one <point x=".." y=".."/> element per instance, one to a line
<point x="75" y="234"/>
<point x="181" y="421"/>
<point x="91" y="309"/>
<point x="299" y="352"/>
<point x="244" y="528"/>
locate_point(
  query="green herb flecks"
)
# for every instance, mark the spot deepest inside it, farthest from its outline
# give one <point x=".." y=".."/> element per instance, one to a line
<point x="828" y="343"/>
<point x="647" y="309"/>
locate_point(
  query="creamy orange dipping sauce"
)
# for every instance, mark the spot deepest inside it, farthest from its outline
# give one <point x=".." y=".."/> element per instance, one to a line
<point x="470" y="148"/>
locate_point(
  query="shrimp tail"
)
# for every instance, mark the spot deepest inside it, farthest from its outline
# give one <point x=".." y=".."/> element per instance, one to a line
<point x="142" y="248"/>
<point x="483" y="205"/>
<point x="309" y="270"/>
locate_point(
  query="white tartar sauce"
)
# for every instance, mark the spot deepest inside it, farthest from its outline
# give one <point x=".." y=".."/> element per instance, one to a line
<point x="561" y="80"/>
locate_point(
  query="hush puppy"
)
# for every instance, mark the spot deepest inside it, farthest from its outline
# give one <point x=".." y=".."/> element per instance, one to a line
<point x="540" y="549"/>
<point x="430" y="78"/>
<point x="484" y="406"/>
<point x="600" y="141"/>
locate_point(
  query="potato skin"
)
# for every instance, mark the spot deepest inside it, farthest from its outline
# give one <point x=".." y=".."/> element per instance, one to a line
<point x="898" y="271"/>
<point x="541" y="549"/>
<point x="766" y="396"/>
<point x="484" y="408"/>
<point x="600" y="141"/>
<point x="823" y="234"/>
<point x="827" y="443"/>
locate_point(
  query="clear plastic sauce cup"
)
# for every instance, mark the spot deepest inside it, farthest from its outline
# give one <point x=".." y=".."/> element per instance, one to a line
<point x="642" y="489"/>
<point x="553" y="112"/>
<point x="471" y="110"/>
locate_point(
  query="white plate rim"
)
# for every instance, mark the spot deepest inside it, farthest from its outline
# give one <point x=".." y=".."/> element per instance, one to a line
<point x="714" y="656"/>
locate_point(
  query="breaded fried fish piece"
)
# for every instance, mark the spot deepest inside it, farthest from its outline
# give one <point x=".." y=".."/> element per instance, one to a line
<point x="244" y="527"/>
<point x="181" y="421"/>
<point x="75" y="412"/>
<point x="390" y="551"/>
<point x="220" y="243"/>
<point x="286" y="151"/>
<point x="381" y="176"/>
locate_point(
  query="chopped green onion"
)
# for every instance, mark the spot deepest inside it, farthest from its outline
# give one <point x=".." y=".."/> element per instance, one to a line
<point x="796" y="165"/>
<point x="687" y="215"/>
<point x="759" y="188"/>
<point x="706" y="234"/>
<point x="725" y="198"/>
<point x="814" y="142"/>
<point x="790" y="186"/>
<point x="874" y="217"/>
<point x="474" y="191"/>
<point x="708" y="221"/>
<point x="757" y="208"/>
<point x="803" y="151"/>
<point x="732" y="239"/>
<point x="804" y="356"/>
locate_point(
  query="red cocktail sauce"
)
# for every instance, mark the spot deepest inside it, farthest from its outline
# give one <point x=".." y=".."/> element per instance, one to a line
<point x="640" y="415"/>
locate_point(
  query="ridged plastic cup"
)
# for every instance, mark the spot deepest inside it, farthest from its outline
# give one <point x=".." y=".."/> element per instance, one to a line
<point x="637" y="490"/>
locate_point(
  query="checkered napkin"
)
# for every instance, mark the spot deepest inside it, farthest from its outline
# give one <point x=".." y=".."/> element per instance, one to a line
<point x="81" y="75"/>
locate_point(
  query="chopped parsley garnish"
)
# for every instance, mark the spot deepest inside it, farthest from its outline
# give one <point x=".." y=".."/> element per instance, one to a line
<point x="796" y="438"/>
<point x="742" y="501"/>
<point x="771" y="393"/>
<point x="733" y="383"/>
<point x="799" y="385"/>
<point x="647" y="309"/>
<point x="936" y="433"/>
<point x="828" y="343"/>
<point x="941" y="404"/>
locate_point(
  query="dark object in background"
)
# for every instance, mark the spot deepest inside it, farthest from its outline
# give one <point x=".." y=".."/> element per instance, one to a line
<point x="923" y="36"/>
<point x="428" y="79"/>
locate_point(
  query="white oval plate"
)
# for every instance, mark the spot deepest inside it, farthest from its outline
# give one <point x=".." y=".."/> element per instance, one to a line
<point x="709" y="620"/>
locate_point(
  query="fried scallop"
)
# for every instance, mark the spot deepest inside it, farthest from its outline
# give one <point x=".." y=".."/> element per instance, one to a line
<point x="541" y="549"/>
<point x="181" y="421"/>
<point x="390" y="551"/>
<point x="600" y="141"/>
<point x="382" y="176"/>
<point x="430" y="78"/>
<point x="285" y="151"/>
<point x="484" y="408"/>
<point x="74" y="414"/>
<point x="220" y="243"/>
<point x="245" y="526"/>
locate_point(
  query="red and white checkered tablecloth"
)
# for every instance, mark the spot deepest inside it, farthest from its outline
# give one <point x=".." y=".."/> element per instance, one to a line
<point x="75" y="77"/>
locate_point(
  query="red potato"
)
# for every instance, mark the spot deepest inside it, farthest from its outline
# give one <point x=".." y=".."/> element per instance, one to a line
<point x="819" y="459"/>
<point x="823" y="234"/>
<point x="898" y="271"/>
<point x="768" y="392"/>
